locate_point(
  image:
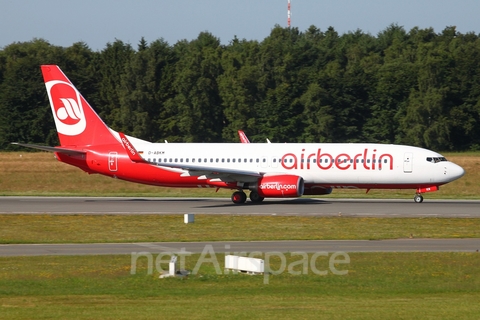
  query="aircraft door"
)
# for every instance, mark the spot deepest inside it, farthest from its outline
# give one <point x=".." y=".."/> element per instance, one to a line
<point x="408" y="162"/>
<point x="112" y="161"/>
<point x="264" y="162"/>
<point x="275" y="161"/>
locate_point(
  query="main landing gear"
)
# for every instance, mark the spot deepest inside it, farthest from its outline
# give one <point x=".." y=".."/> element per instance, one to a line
<point x="418" y="198"/>
<point x="239" y="197"/>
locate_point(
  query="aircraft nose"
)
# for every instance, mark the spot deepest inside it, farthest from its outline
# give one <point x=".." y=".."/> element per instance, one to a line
<point x="455" y="171"/>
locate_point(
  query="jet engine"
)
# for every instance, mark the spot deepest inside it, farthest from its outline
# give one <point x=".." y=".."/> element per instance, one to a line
<point x="280" y="186"/>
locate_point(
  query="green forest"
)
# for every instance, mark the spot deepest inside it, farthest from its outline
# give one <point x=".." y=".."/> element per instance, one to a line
<point x="416" y="87"/>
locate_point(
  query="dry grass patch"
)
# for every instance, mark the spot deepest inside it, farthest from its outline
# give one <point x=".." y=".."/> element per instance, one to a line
<point x="39" y="173"/>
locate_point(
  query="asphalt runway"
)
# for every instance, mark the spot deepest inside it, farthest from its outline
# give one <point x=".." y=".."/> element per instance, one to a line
<point x="236" y="247"/>
<point x="300" y="206"/>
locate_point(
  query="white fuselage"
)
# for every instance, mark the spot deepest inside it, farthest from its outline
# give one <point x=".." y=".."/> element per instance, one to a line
<point x="327" y="164"/>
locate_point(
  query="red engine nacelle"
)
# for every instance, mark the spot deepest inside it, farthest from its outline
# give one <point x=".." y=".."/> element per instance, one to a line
<point x="281" y="186"/>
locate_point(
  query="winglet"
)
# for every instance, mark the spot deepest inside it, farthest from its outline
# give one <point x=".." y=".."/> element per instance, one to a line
<point x="243" y="137"/>
<point x="131" y="151"/>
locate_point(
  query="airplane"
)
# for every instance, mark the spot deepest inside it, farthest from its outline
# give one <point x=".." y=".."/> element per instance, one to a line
<point x="271" y="170"/>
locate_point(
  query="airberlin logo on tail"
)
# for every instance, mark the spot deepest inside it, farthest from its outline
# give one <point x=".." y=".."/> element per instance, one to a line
<point x="127" y="145"/>
<point x="67" y="108"/>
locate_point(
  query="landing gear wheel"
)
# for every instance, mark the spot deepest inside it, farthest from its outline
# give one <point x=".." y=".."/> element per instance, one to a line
<point x="239" y="197"/>
<point x="418" y="198"/>
<point x="255" y="197"/>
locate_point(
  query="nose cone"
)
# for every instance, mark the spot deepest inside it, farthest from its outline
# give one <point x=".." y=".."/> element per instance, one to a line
<point x="455" y="171"/>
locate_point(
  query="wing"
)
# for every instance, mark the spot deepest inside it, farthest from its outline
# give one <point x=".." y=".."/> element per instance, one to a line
<point x="219" y="174"/>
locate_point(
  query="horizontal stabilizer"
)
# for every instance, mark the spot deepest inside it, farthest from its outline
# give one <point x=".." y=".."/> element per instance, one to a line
<point x="51" y="149"/>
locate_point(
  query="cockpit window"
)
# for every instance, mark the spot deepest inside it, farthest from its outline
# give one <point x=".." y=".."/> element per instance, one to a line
<point x="436" y="159"/>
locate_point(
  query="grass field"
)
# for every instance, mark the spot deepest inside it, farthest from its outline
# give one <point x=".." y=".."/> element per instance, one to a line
<point x="40" y="174"/>
<point x="377" y="286"/>
<point x="155" y="228"/>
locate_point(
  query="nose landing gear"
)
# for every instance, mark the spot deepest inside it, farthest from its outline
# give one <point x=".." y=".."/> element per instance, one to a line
<point x="418" y="198"/>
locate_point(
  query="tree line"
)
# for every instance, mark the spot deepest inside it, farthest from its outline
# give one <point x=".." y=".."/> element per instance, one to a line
<point x="414" y="87"/>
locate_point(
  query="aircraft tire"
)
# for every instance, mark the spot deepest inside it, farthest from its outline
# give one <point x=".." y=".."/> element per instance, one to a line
<point x="255" y="197"/>
<point x="418" y="198"/>
<point x="239" y="197"/>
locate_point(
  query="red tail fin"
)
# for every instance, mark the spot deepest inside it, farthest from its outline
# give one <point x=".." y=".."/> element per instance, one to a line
<point x="76" y="121"/>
